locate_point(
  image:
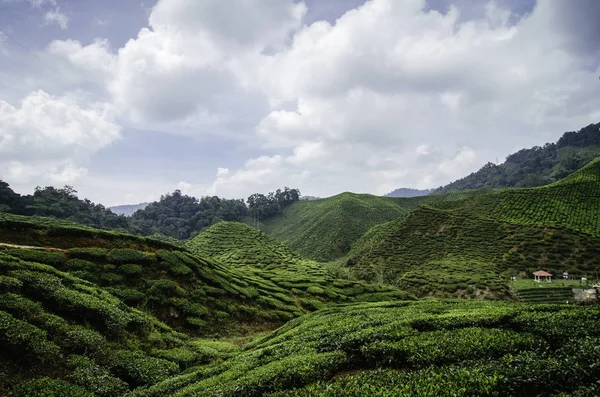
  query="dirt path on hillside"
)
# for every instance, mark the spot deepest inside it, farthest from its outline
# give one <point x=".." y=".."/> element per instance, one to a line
<point x="31" y="247"/>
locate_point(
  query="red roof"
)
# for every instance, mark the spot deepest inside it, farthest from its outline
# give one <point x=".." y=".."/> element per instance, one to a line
<point x="542" y="273"/>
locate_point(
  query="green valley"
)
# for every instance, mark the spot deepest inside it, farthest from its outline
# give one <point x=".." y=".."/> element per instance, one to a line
<point x="352" y="295"/>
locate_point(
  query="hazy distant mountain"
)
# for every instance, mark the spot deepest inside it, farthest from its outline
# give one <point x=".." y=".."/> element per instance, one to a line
<point x="407" y="192"/>
<point x="129" y="209"/>
<point x="309" y="198"/>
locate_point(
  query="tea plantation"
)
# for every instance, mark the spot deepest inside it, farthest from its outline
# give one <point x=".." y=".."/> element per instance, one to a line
<point x="237" y="311"/>
<point x="325" y="229"/>
<point x="466" y="244"/>
<point x="426" y="348"/>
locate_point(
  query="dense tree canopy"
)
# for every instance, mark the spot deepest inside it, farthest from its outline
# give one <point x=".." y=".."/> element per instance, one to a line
<point x="175" y="215"/>
<point x="537" y="166"/>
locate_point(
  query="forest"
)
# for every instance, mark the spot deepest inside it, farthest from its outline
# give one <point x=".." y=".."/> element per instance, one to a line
<point x="175" y="215"/>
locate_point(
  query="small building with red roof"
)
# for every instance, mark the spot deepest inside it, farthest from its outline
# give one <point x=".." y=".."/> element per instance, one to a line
<point x="542" y="276"/>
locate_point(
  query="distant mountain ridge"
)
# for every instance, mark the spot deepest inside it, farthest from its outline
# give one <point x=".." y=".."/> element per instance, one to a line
<point x="537" y="166"/>
<point x="408" y="192"/>
<point x="128" y="209"/>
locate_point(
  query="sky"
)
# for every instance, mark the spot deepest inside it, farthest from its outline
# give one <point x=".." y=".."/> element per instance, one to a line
<point x="129" y="100"/>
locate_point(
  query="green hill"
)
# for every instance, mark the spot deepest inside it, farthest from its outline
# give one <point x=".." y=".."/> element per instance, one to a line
<point x="324" y="229"/>
<point x="572" y="203"/>
<point x="239" y="244"/>
<point x="555" y="227"/>
<point x="104" y="312"/>
<point x="63" y="335"/>
<point x="253" y="254"/>
<point x="426" y="348"/>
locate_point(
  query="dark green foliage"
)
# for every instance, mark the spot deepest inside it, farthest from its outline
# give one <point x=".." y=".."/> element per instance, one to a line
<point x="20" y="339"/>
<point x="46" y="387"/>
<point x="95" y="254"/>
<point x="536" y="166"/>
<point x="95" y="378"/>
<point x="126" y="255"/>
<point x="130" y="269"/>
<point x="82" y="265"/>
<point x="137" y="369"/>
<point x="262" y="207"/>
<point x="10" y="284"/>
<point x="49" y="258"/>
<point x="180" y="216"/>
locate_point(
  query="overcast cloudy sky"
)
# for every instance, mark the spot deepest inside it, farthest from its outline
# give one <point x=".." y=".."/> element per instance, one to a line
<point x="126" y="100"/>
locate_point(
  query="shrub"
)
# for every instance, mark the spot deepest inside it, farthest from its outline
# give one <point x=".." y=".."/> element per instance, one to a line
<point x="95" y="378"/>
<point x="138" y="369"/>
<point x="128" y="295"/>
<point x="126" y="255"/>
<point x="180" y="355"/>
<point x="315" y="290"/>
<point x="81" y="264"/>
<point x="23" y="339"/>
<point x="46" y="387"/>
<point x="95" y="254"/>
<point x="84" y="340"/>
<point x="130" y="269"/>
<point x="39" y="256"/>
<point x="10" y="283"/>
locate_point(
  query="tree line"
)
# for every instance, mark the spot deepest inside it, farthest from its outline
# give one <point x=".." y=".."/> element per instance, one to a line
<point x="175" y="215"/>
<point x="537" y="166"/>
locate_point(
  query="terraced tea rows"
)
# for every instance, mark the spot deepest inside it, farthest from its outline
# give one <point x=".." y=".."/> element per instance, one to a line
<point x="425" y="348"/>
<point x="324" y="229"/>
<point x="546" y="295"/>
<point x="239" y="244"/>
<point x="430" y="234"/>
<point x="253" y="254"/>
<point x="572" y="203"/>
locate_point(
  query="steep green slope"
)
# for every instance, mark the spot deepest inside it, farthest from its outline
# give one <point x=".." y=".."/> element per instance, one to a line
<point x="253" y="254"/>
<point x="61" y="335"/>
<point x="536" y="166"/>
<point x="239" y="244"/>
<point x="556" y="227"/>
<point x="325" y="229"/>
<point x="572" y="203"/>
<point x="425" y="348"/>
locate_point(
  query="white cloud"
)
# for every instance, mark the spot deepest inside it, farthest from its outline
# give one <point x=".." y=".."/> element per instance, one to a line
<point x="51" y="138"/>
<point x="56" y="17"/>
<point x="390" y="95"/>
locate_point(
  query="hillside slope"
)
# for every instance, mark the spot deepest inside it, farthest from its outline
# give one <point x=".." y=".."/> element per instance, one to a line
<point x="104" y="312"/>
<point x="324" y="229"/>
<point x="53" y="324"/>
<point x="253" y="254"/>
<point x="572" y="203"/>
<point x="239" y="244"/>
<point x="555" y="227"/>
<point x="536" y="166"/>
<point x="425" y="348"/>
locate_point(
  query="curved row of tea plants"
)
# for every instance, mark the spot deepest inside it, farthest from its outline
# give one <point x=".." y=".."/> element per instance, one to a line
<point x="426" y="348"/>
<point x="411" y="247"/>
<point x="61" y="335"/>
